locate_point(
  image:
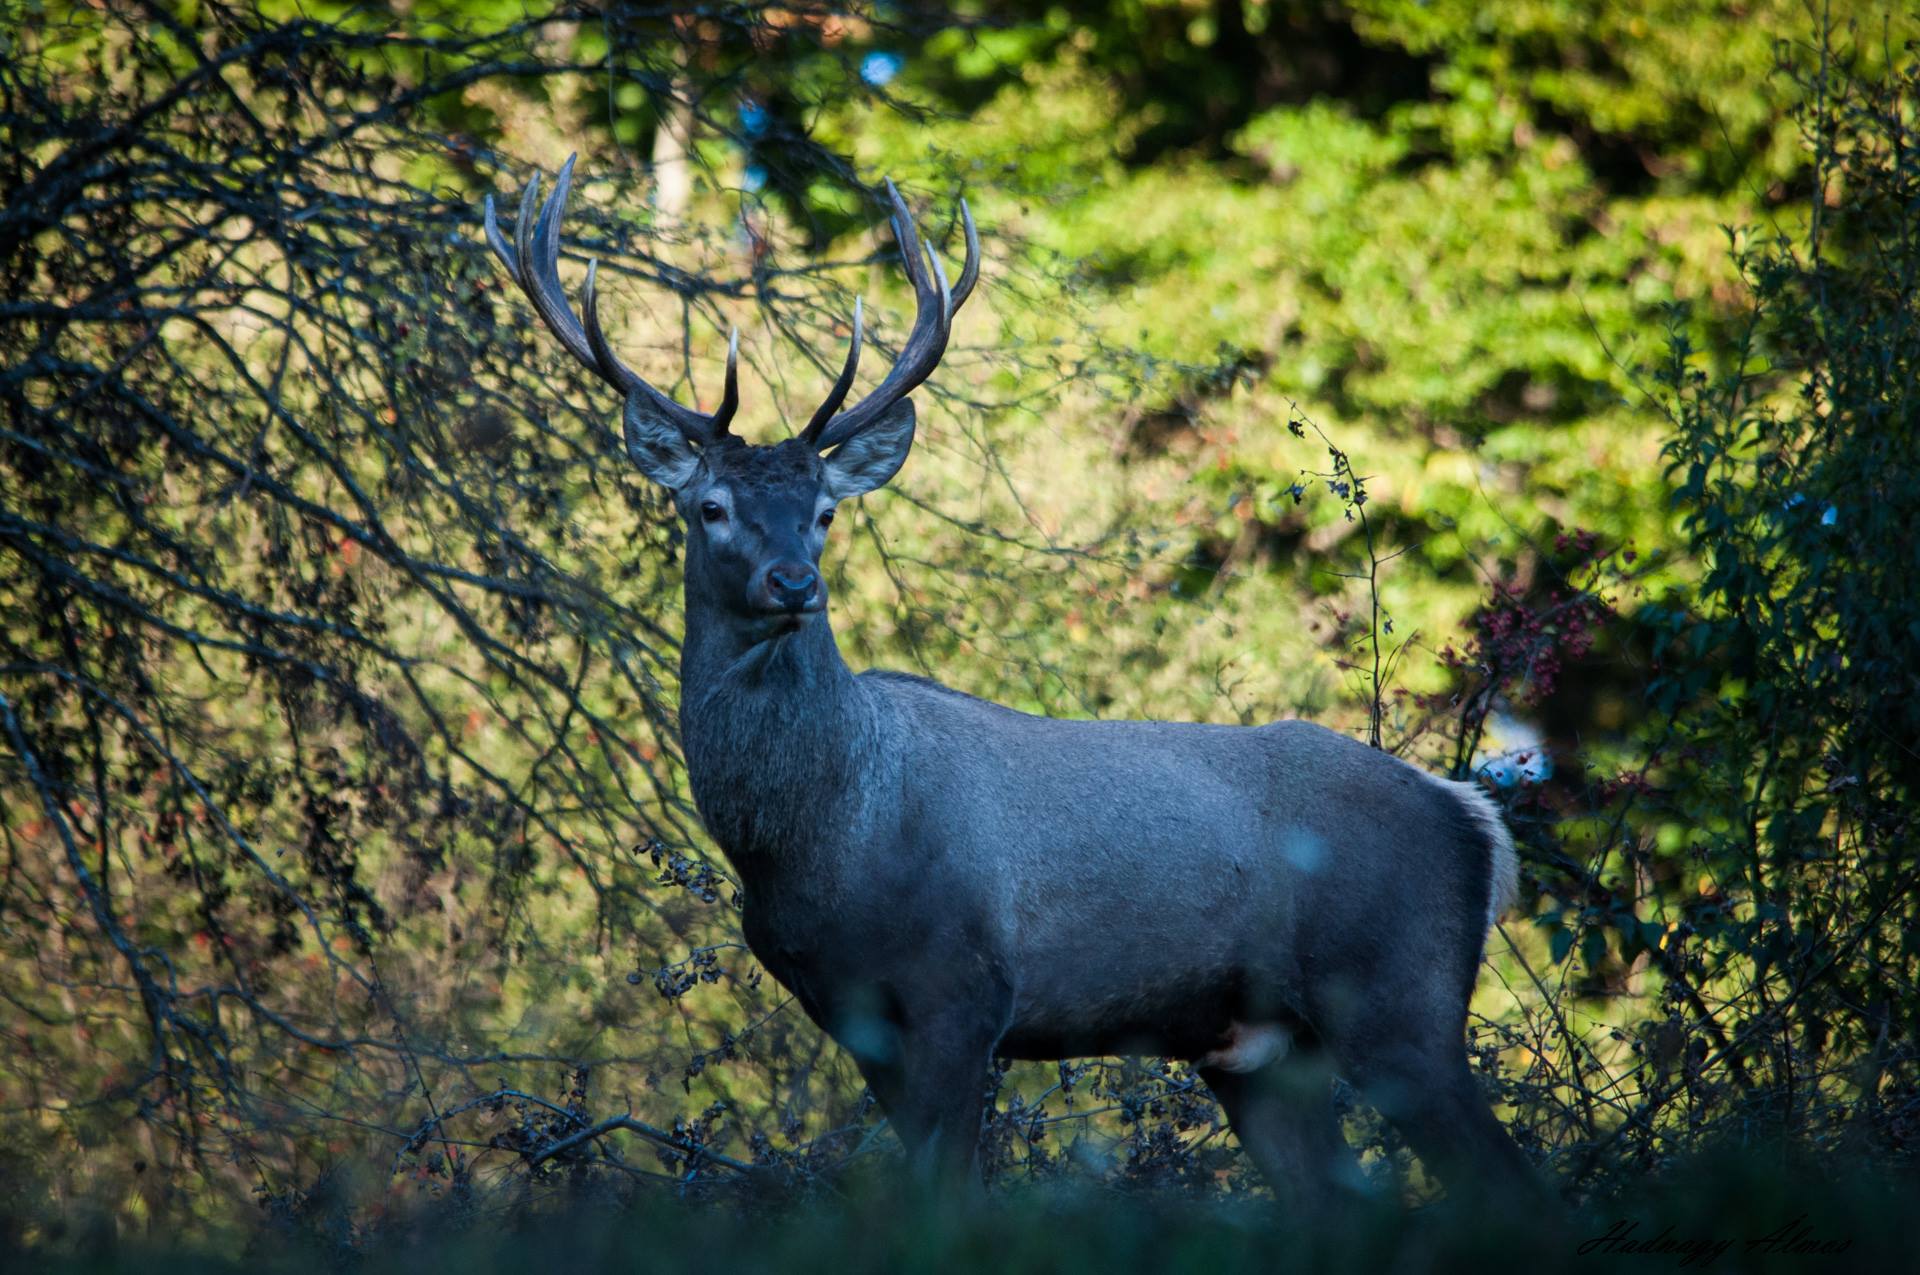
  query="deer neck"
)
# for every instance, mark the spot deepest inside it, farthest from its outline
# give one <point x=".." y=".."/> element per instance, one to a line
<point x="781" y="741"/>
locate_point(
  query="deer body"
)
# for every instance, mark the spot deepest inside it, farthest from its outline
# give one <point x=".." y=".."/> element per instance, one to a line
<point x="1126" y="887"/>
<point x="939" y="879"/>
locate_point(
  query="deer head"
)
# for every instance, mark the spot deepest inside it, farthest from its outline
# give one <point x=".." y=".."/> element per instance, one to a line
<point x="756" y="514"/>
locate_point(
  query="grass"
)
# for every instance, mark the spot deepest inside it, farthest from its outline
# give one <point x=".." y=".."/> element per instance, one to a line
<point x="1742" y="1210"/>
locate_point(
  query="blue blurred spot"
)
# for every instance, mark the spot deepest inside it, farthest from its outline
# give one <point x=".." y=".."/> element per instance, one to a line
<point x="754" y="178"/>
<point x="1513" y="753"/>
<point x="867" y="1037"/>
<point x="1304" y="850"/>
<point x="879" y="68"/>
<point x="1510" y="770"/>
<point x="753" y="118"/>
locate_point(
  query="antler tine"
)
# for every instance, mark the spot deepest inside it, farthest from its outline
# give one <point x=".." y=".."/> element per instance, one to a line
<point x="970" y="272"/>
<point x="907" y="236"/>
<point x="838" y="394"/>
<point x="517" y="265"/>
<point x="498" y="241"/>
<point x="538" y="242"/>
<point x="937" y="304"/>
<point x="603" y="358"/>
<point x="533" y="261"/>
<point x="946" y="293"/>
<point x="729" y="396"/>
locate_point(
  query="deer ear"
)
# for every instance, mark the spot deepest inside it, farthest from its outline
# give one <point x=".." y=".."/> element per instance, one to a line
<point x="658" y="447"/>
<point x="873" y="456"/>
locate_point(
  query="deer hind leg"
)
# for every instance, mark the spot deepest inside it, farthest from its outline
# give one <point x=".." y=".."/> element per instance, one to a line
<point x="1282" y="1113"/>
<point x="1438" y="1109"/>
<point x="1413" y="1069"/>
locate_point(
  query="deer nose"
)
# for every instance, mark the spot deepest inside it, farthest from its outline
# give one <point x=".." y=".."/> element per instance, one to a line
<point x="792" y="586"/>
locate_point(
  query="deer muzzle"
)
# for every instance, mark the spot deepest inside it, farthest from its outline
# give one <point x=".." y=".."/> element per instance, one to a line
<point x="791" y="588"/>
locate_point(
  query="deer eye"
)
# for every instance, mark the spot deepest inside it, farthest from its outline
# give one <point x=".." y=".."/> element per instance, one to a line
<point x="711" y="511"/>
<point x="826" y="519"/>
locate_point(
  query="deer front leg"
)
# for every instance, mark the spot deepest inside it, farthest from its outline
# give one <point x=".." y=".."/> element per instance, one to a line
<point x="930" y="1076"/>
<point x="943" y="1095"/>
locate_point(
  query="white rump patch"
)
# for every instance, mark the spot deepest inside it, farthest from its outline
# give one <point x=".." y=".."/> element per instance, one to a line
<point x="1504" y="873"/>
<point x="1249" y="1047"/>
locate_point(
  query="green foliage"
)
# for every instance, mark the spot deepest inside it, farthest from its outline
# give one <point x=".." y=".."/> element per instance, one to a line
<point x="1454" y="279"/>
<point x="1797" y="468"/>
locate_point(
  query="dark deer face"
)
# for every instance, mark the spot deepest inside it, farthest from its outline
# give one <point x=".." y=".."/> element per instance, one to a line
<point x="755" y="529"/>
<point x="757" y="517"/>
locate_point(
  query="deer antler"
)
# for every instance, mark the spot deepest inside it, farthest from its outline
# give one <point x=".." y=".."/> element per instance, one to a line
<point x="937" y="305"/>
<point x="533" y="260"/>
